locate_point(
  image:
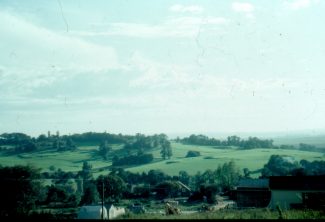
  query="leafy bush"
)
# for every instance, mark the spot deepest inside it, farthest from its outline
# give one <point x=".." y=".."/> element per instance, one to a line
<point x="209" y="158"/>
<point x="133" y="160"/>
<point x="192" y="153"/>
<point x="170" y="162"/>
<point x="167" y="189"/>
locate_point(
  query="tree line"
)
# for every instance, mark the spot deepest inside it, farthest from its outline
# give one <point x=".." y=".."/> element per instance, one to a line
<point x="250" y="143"/>
<point x="138" y="144"/>
<point x="286" y="166"/>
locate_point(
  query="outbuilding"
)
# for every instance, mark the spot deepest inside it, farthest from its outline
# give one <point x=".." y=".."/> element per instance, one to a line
<point x="253" y="193"/>
<point x="95" y="212"/>
<point x="92" y="212"/>
<point x="297" y="191"/>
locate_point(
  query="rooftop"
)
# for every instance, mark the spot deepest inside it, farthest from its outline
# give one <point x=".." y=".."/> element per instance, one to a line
<point x="297" y="182"/>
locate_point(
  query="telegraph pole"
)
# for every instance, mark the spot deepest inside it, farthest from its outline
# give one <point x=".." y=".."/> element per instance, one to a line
<point x="103" y="200"/>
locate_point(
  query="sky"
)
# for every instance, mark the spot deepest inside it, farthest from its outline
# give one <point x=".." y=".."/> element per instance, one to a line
<point x="174" y="67"/>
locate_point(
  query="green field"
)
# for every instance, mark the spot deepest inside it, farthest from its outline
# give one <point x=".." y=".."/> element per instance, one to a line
<point x="318" y="141"/>
<point x="67" y="161"/>
<point x="210" y="158"/>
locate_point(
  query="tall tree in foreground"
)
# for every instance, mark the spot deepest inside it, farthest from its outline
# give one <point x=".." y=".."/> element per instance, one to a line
<point x="86" y="175"/>
<point x="279" y="166"/>
<point x="227" y="175"/>
<point x="90" y="196"/>
<point x="114" y="187"/>
<point x="19" y="190"/>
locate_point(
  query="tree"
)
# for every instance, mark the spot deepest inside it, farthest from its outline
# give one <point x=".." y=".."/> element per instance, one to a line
<point x="90" y="196"/>
<point x="279" y="166"/>
<point x="70" y="144"/>
<point x="231" y="175"/>
<point x="184" y="177"/>
<point x="26" y="146"/>
<point x="198" y="180"/>
<point x="104" y="149"/>
<point x="246" y="172"/>
<point x="200" y="140"/>
<point x="156" y="176"/>
<point x="307" y="147"/>
<point x="192" y="153"/>
<point x="166" y="150"/>
<point x="86" y="174"/>
<point x="57" y="144"/>
<point x="133" y="159"/>
<point x="317" y="167"/>
<point x="233" y="141"/>
<point x="41" y="138"/>
<point x="142" y="191"/>
<point x="208" y="176"/>
<point x="19" y="190"/>
<point x="167" y="189"/>
<point x="114" y="187"/>
<point x="210" y="191"/>
<point x="56" y="194"/>
<point x="227" y="175"/>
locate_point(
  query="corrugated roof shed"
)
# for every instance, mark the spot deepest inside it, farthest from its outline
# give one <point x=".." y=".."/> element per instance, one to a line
<point x="297" y="182"/>
<point x="253" y="183"/>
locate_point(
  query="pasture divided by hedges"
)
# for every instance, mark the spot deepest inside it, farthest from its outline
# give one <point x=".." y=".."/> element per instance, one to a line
<point x="210" y="158"/>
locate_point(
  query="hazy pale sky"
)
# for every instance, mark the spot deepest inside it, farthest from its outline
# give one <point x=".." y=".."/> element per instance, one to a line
<point x="162" y="66"/>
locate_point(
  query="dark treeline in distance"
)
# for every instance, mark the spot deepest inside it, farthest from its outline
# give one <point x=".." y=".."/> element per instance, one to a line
<point x="236" y="141"/>
<point x="139" y="142"/>
<point x="250" y="143"/>
<point x="134" y="146"/>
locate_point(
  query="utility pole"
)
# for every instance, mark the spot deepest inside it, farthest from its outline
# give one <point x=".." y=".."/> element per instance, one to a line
<point x="103" y="200"/>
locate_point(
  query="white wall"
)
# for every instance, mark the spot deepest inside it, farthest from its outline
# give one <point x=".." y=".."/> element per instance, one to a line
<point x="284" y="198"/>
<point x="115" y="212"/>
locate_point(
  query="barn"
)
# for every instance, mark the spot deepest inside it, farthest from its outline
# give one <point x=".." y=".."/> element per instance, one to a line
<point x="297" y="191"/>
<point x="253" y="193"/>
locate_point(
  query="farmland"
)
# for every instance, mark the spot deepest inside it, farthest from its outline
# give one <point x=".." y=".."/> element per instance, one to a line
<point x="76" y="168"/>
<point x="317" y="140"/>
<point x="210" y="158"/>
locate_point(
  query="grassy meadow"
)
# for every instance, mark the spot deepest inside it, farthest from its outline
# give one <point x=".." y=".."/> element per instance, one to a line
<point x="258" y="214"/>
<point x="210" y="158"/>
<point x="318" y="141"/>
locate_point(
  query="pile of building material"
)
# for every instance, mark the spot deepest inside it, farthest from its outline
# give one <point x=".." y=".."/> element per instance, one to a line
<point x="171" y="210"/>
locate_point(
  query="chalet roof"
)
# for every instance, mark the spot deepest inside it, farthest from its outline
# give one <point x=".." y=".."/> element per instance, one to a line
<point x="297" y="182"/>
<point x="253" y="183"/>
<point x="183" y="185"/>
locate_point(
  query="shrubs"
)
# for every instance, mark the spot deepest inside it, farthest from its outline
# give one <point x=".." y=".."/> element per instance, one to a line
<point x="192" y="153"/>
<point x="133" y="160"/>
<point x="167" y="189"/>
<point x="207" y="191"/>
<point x="141" y="191"/>
<point x="210" y="191"/>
